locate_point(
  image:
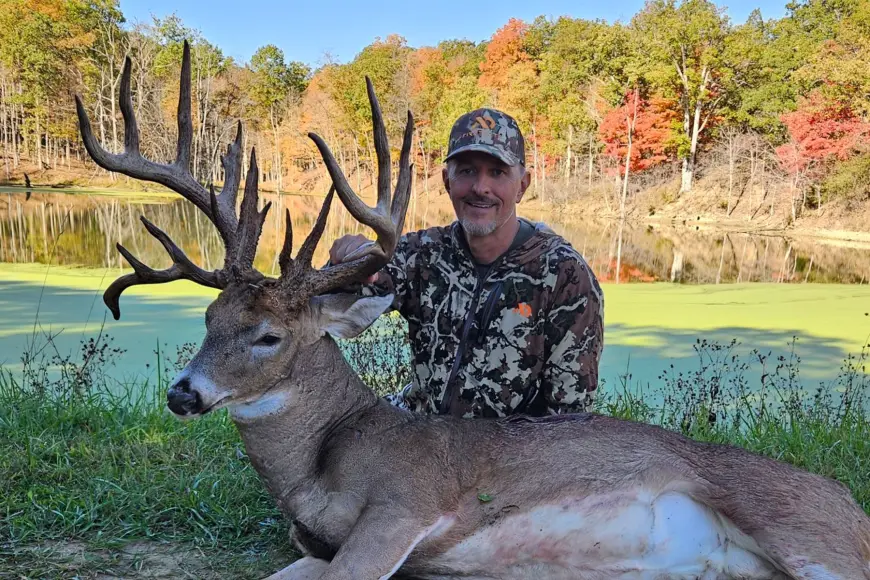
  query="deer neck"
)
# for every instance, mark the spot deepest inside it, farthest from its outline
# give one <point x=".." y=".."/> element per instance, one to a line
<point x="284" y="433"/>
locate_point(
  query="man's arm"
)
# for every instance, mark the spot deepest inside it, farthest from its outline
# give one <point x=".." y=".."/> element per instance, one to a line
<point x="574" y="334"/>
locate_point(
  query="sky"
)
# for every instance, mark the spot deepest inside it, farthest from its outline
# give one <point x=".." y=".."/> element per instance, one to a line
<point x="317" y="31"/>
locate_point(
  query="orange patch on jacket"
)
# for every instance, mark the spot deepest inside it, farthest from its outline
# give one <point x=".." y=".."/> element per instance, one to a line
<point x="523" y="309"/>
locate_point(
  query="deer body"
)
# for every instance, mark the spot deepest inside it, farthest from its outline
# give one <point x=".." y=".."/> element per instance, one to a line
<point x="375" y="492"/>
<point x="558" y="502"/>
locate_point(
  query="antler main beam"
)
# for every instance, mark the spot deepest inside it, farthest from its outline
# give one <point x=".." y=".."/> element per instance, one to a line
<point x="176" y="176"/>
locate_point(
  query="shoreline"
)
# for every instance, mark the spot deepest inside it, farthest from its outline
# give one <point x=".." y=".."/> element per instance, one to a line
<point x="694" y="221"/>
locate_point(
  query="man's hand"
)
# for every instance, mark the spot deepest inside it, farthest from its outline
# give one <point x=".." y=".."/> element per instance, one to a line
<point x="347" y="248"/>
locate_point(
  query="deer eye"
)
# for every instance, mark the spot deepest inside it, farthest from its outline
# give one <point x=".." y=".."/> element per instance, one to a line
<point x="268" y="340"/>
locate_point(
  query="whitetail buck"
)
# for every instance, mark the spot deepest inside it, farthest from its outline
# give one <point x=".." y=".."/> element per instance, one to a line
<point x="373" y="491"/>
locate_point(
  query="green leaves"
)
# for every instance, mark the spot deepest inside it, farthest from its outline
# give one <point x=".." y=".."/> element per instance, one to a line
<point x="274" y="79"/>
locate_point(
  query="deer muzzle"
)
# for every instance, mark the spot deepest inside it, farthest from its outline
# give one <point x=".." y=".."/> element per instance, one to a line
<point x="182" y="399"/>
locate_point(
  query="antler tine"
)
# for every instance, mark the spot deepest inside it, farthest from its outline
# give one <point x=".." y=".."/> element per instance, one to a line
<point x="223" y="206"/>
<point x="382" y="149"/>
<point x="250" y="220"/>
<point x="379" y="218"/>
<point x="131" y="130"/>
<point x="402" y="196"/>
<point x="306" y="252"/>
<point x="292" y="270"/>
<point x="185" y="123"/>
<point x="182" y="268"/>
<point x="284" y="259"/>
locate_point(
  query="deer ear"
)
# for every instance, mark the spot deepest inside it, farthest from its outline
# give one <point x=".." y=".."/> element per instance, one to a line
<point x="348" y="315"/>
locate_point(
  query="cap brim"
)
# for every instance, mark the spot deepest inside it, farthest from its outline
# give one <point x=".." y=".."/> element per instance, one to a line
<point x="500" y="154"/>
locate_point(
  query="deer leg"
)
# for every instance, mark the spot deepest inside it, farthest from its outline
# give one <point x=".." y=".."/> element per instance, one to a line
<point x="307" y="568"/>
<point x="379" y="544"/>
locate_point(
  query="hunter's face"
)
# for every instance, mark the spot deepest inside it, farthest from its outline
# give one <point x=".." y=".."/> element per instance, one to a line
<point x="484" y="191"/>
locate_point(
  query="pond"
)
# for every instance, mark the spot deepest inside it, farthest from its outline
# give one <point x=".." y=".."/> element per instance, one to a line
<point x="677" y="284"/>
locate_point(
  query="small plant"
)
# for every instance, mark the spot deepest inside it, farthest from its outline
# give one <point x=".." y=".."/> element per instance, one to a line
<point x="381" y="355"/>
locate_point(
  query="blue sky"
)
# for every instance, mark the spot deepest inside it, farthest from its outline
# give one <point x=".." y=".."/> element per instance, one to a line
<point x="308" y="31"/>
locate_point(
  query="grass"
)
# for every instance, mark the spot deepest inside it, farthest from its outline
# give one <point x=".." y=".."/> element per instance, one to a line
<point x="102" y="482"/>
<point x="100" y="467"/>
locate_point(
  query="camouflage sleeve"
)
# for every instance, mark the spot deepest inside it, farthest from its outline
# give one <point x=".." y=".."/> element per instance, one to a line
<point x="574" y="334"/>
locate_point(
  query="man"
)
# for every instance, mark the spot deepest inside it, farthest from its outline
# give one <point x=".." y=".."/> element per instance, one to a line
<point x="504" y="316"/>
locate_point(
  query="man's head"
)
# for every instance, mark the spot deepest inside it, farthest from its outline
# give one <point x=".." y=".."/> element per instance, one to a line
<point x="485" y="174"/>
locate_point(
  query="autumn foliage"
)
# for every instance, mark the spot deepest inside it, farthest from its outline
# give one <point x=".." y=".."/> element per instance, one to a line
<point x="821" y="130"/>
<point x="504" y="50"/>
<point x="566" y="80"/>
<point x="652" y="132"/>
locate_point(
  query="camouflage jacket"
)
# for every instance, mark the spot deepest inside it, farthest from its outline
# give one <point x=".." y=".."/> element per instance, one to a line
<point x="526" y="337"/>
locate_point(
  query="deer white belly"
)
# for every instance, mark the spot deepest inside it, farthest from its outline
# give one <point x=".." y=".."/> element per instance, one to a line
<point x="629" y="536"/>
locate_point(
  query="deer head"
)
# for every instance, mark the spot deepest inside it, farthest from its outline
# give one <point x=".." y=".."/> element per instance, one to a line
<point x="258" y="325"/>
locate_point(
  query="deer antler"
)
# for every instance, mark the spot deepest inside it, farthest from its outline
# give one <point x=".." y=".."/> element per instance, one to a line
<point x="386" y="218"/>
<point x="239" y="234"/>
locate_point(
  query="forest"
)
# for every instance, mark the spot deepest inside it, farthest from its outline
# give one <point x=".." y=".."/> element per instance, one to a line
<point x="679" y="107"/>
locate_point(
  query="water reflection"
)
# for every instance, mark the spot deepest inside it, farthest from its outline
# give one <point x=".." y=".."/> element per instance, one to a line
<point x="82" y="229"/>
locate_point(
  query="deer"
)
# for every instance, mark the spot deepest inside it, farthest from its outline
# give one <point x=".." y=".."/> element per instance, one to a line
<point x="371" y="490"/>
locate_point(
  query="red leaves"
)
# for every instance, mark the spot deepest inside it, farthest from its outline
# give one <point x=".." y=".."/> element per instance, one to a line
<point x="652" y="133"/>
<point x="821" y="130"/>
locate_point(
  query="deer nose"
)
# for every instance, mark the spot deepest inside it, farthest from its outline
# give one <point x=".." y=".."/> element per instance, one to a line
<point x="181" y="400"/>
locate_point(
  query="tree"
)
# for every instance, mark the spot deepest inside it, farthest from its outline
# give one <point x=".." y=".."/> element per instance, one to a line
<point x="510" y="75"/>
<point x="684" y="45"/>
<point x="274" y="82"/>
<point x="574" y="55"/>
<point x="638" y="135"/>
<point x="821" y="130"/>
<point x="839" y="67"/>
<point x="505" y="50"/>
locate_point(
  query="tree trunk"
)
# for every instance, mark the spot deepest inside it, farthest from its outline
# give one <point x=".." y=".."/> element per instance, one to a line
<point x="38" y="139"/>
<point x="591" y="159"/>
<point x="630" y="122"/>
<point x="619" y="250"/>
<point x="112" y="84"/>
<point x="568" y="154"/>
<point x="535" y="154"/>
<point x="730" y="173"/>
<point x="689" y="163"/>
<point x="277" y="148"/>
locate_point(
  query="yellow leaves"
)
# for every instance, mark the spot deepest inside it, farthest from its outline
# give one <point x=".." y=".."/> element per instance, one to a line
<point x="54" y="9"/>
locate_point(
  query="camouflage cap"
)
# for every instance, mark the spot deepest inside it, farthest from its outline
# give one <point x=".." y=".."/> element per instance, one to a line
<point x="489" y="131"/>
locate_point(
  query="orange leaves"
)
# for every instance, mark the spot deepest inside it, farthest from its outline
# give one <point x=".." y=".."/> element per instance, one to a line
<point x="651" y="132"/>
<point x="504" y="50"/>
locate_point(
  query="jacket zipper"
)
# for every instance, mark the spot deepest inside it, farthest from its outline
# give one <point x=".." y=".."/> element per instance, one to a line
<point x="450" y="388"/>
